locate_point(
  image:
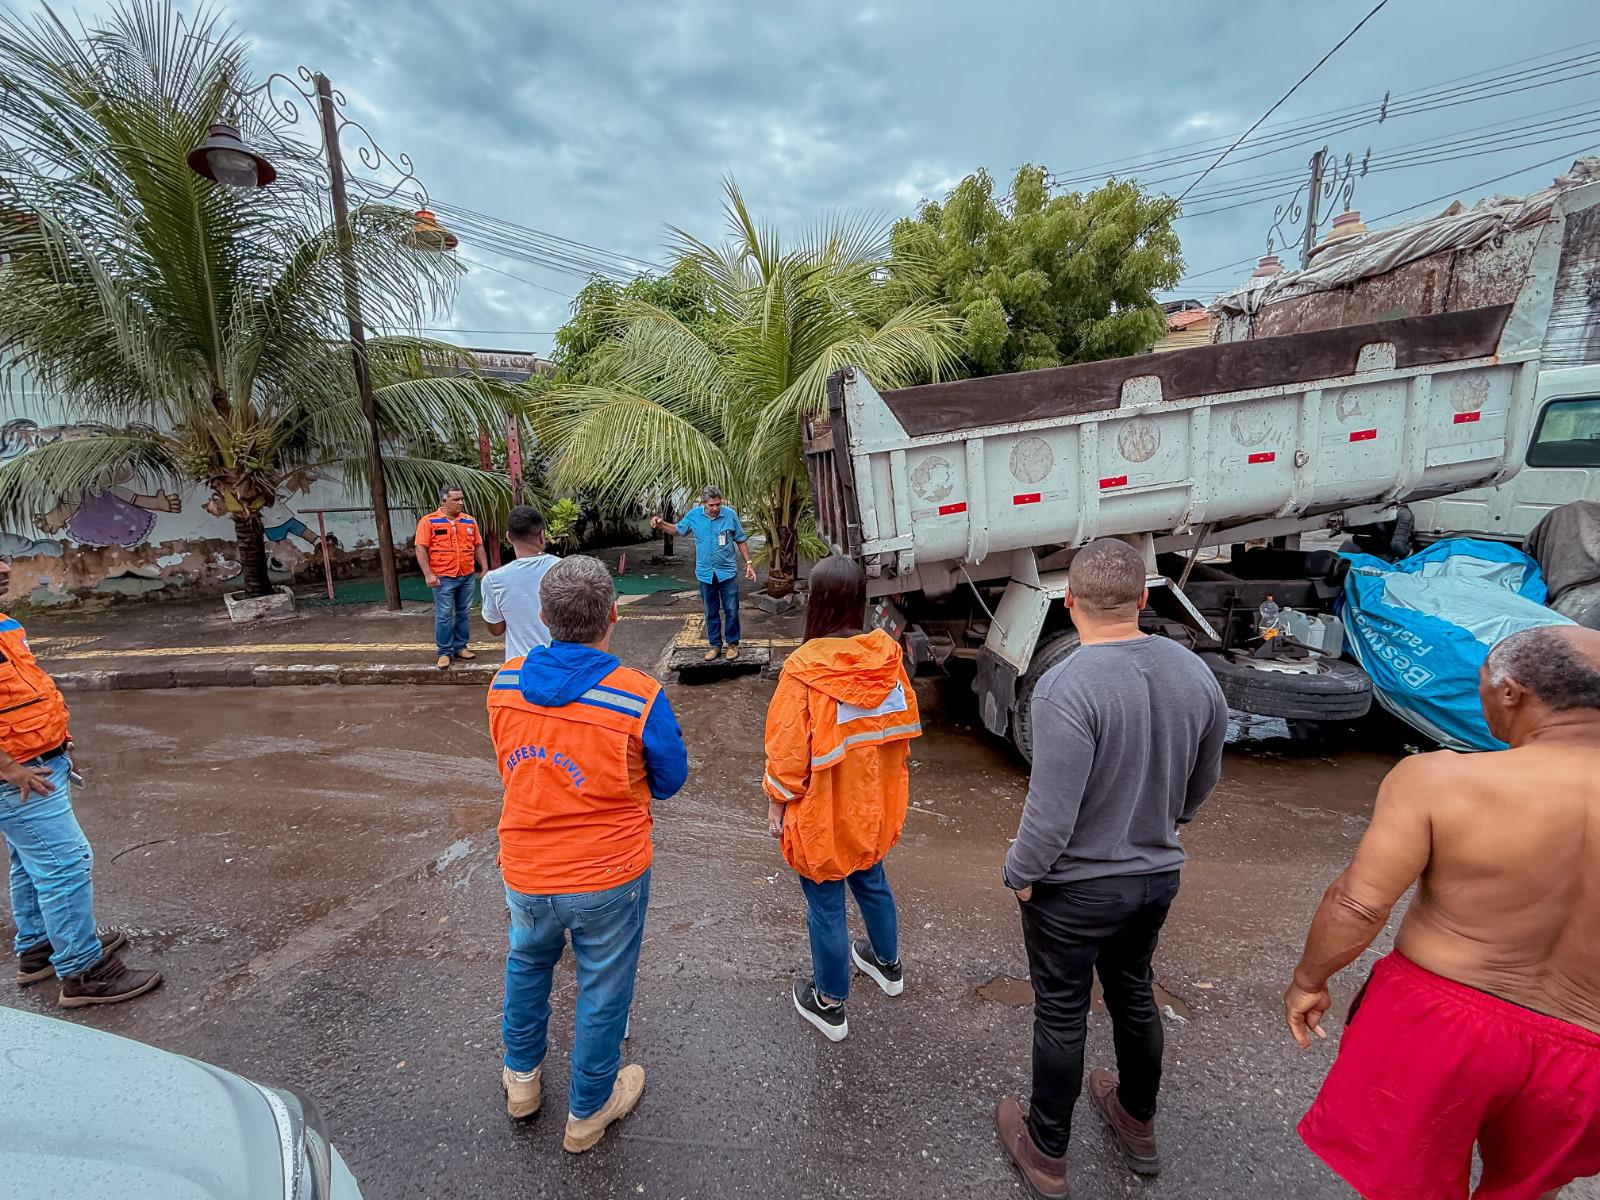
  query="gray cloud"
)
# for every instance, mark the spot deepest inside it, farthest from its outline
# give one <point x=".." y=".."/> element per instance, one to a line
<point x="606" y="122"/>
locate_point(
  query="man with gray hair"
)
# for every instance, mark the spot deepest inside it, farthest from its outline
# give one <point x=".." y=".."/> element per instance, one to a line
<point x="584" y="745"/>
<point x="1127" y="734"/>
<point x="1483" y="1024"/>
<point x="717" y="532"/>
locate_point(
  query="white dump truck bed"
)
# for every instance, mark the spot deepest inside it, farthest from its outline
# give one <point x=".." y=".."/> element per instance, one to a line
<point x="1210" y="445"/>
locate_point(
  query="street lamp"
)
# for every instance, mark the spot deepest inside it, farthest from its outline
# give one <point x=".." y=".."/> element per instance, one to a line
<point x="227" y="159"/>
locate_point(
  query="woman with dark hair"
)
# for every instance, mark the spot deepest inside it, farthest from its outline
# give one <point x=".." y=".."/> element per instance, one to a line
<point x="838" y="737"/>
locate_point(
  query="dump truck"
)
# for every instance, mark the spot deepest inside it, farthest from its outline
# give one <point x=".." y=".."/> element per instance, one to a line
<point x="965" y="501"/>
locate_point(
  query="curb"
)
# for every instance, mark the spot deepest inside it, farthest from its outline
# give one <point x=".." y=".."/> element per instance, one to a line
<point x="199" y="675"/>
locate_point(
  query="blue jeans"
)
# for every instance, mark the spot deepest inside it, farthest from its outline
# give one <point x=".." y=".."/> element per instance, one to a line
<point x="452" y="613"/>
<point x="721" y="600"/>
<point x="830" y="936"/>
<point x="52" y="894"/>
<point x="606" y="929"/>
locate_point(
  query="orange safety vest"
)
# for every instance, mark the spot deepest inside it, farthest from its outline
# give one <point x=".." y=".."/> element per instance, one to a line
<point x="838" y="738"/>
<point x="33" y="716"/>
<point x="577" y="799"/>
<point x="451" y="543"/>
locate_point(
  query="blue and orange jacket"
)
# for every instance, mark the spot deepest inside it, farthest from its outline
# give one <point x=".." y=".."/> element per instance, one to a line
<point x="584" y="744"/>
<point x="33" y="716"/>
<point x="451" y="543"/>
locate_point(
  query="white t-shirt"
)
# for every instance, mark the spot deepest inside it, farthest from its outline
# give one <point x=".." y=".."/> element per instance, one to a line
<point x="511" y="594"/>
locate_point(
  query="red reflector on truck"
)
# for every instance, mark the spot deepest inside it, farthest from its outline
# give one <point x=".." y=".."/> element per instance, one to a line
<point x="949" y="510"/>
<point x="1114" y="481"/>
<point x="1467" y="418"/>
<point x="1026" y="498"/>
<point x="1269" y="456"/>
<point x="1363" y="435"/>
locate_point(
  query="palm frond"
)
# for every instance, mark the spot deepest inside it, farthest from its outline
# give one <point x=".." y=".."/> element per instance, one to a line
<point x="37" y="480"/>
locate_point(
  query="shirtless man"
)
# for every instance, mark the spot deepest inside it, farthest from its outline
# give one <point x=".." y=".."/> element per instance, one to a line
<point x="1484" y="1024"/>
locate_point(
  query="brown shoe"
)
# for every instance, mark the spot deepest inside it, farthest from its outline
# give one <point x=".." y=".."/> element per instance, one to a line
<point x="625" y="1093"/>
<point x="522" y="1098"/>
<point x="465" y="655"/>
<point x="109" y="981"/>
<point x="713" y="654"/>
<point x="1136" y="1139"/>
<point x="33" y="964"/>
<point x="733" y="651"/>
<point x="444" y="662"/>
<point x="1044" y="1177"/>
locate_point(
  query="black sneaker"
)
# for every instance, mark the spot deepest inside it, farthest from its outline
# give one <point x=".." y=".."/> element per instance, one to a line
<point x="827" y="1017"/>
<point x="109" y="981"/>
<point x="888" y="976"/>
<point x="33" y="964"/>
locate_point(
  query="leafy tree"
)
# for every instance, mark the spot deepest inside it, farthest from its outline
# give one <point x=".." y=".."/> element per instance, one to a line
<point x="1041" y="280"/>
<point x="201" y="326"/>
<point x="683" y="292"/>
<point x="673" y="403"/>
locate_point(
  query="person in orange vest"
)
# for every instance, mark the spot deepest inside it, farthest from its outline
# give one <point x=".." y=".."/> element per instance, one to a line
<point x="838" y="737"/>
<point x="450" y="552"/>
<point x="584" y="745"/>
<point x="52" y="892"/>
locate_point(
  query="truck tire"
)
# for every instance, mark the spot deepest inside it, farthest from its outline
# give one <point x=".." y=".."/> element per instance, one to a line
<point x="1341" y="691"/>
<point x="1052" y="650"/>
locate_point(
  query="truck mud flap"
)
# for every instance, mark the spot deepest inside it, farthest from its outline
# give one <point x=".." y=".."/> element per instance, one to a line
<point x="996" y="688"/>
<point x="1341" y="691"/>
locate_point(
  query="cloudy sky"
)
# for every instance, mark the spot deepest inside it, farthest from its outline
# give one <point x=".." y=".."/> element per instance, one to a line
<point x="604" y="122"/>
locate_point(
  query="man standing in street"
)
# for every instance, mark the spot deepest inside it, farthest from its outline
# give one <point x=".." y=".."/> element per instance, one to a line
<point x="450" y="553"/>
<point x="52" y="890"/>
<point x="1483" y="1025"/>
<point x="511" y="592"/>
<point x="584" y="745"/>
<point x="1127" y="734"/>
<point x="717" y="531"/>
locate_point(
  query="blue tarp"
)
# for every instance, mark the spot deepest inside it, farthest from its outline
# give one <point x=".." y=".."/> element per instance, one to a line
<point x="1421" y="628"/>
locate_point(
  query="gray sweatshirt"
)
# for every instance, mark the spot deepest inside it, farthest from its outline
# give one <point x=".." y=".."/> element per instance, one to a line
<point x="1127" y="744"/>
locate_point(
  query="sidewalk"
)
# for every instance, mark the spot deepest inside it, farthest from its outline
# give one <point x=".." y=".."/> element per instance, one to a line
<point x="193" y="644"/>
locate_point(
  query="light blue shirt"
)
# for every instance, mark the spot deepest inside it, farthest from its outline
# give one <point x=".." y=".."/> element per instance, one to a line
<point x="511" y="594"/>
<point x="714" y="540"/>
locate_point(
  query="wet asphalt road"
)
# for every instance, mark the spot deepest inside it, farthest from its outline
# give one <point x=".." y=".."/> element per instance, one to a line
<point x="313" y="869"/>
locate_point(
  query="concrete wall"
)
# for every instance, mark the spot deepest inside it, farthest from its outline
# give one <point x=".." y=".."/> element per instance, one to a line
<point x="131" y="539"/>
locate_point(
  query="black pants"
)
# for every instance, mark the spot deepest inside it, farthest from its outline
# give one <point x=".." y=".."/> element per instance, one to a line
<point x="1070" y="930"/>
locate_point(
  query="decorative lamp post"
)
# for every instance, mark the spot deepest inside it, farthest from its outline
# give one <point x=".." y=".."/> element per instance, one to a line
<point x="227" y="159"/>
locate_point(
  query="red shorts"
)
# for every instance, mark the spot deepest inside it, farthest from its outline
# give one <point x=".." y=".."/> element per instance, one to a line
<point x="1428" y="1066"/>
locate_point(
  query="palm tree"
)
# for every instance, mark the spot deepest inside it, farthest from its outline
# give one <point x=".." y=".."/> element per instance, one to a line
<point x="197" y="325"/>
<point x="667" y="405"/>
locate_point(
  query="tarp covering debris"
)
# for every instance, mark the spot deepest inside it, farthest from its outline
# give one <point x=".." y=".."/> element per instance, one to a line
<point x="1567" y="544"/>
<point x="1422" y="627"/>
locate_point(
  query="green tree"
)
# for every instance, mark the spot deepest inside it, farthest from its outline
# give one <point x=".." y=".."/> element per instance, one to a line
<point x="1041" y="280"/>
<point x="670" y="404"/>
<point x="683" y="291"/>
<point x="200" y="325"/>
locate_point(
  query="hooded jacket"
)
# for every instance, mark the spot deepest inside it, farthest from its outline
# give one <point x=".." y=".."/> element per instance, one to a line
<point x="584" y="744"/>
<point x="838" y="737"/>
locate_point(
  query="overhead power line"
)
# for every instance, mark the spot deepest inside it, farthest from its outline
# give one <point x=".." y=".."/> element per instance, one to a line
<point x="1285" y="135"/>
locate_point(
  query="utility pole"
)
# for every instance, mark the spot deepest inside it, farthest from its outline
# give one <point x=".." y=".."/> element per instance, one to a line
<point x="1319" y="161"/>
<point x="358" y="344"/>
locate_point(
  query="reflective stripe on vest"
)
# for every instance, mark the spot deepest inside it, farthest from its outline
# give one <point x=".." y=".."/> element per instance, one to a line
<point x="577" y="799"/>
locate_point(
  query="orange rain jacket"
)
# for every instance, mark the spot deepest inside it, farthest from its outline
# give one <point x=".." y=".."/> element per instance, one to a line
<point x="838" y="736"/>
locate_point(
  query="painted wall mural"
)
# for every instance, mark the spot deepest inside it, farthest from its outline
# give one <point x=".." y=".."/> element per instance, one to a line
<point x="129" y="537"/>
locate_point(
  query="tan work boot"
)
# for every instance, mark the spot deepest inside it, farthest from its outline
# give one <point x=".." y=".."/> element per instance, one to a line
<point x="1136" y="1139"/>
<point x="733" y="651"/>
<point x="625" y="1093"/>
<point x="1044" y="1177"/>
<point x="522" y="1097"/>
<point x="713" y="654"/>
<point x="465" y="655"/>
<point x="444" y="662"/>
